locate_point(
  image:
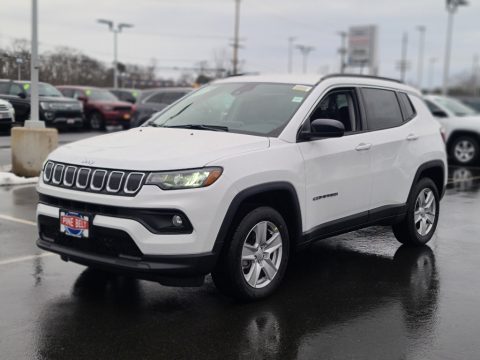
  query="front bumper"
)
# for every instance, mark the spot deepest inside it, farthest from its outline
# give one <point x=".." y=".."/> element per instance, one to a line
<point x="182" y="270"/>
<point x="117" y="117"/>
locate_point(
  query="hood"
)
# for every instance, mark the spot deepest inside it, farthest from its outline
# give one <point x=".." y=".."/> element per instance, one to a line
<point x="155" y="149"/>
<point x="110" y="103"/>
<point x="57" y="99"/>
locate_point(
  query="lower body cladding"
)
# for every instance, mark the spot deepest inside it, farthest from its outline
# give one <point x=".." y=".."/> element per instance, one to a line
<point x="115" y="237"/>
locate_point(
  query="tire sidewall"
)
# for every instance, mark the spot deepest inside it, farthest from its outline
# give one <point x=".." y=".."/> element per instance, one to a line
<point x="235" y="252"/>
<point x="420" y="186"/>
<point x="101" y="124"/>
<point x="475" y="144"/>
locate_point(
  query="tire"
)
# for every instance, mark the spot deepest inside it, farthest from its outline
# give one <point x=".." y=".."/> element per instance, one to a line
<point x="96" y="121"/>
<point x="465" y="150"/>
<point x="236" y="277"/>
<point x="420" y="222"/>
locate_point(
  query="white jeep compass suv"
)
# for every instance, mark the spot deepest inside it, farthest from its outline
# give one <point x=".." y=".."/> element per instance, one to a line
<point x="234" y="177"/>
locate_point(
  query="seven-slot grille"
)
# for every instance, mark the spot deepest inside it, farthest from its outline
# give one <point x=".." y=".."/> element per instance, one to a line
<point x="114" y="182"/>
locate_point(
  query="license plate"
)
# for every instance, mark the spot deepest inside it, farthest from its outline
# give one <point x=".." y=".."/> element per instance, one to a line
<point x="70" y="121"/>
<point x="74" y="224"/>
<point x="4" y="116"/>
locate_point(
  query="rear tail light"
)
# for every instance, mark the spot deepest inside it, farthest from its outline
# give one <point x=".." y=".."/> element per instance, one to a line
<point x="443" y="134"/>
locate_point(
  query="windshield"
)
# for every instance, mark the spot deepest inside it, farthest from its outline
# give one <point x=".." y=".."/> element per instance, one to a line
<point x="248" y="108"/>
<point x="44" y="90"/>
<point x="456" y="106"/>
<point x="100" y="95"/>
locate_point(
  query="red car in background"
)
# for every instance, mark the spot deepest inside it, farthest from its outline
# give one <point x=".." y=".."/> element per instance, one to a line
<point x="101" y="107"/>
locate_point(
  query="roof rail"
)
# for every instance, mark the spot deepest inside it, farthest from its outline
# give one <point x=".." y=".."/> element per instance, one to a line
<point x="361" y="76"/>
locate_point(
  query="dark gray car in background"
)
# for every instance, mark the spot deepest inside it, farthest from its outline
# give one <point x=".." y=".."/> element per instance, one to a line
<point x="152" y="101"/>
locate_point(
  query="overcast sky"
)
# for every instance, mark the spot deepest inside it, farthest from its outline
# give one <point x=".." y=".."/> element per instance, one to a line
<point x="184" y="32"/>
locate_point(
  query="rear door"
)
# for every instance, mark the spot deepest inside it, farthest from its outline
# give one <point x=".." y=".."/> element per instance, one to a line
<point x="392" y="158"/>
<point x="338" y="177"/>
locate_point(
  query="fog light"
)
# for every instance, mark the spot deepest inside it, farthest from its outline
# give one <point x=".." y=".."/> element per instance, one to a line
<point x="177" y="221"/>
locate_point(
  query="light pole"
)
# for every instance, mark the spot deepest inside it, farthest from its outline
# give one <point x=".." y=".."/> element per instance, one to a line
<point x="236" y="39"/>
<point x="116" y="30"/>
<point x="431" y="73"/>
<point x="421" y="49"/>
<point x="291" y="40"/>
<point x="305" y="50"/>
<point x="343" y="50"/>
<point x="475" y="74"/>
<point x="19" y="62"/>
<point x="403" y="65"/>
<point x="34" y="121"/>
<point x="452" y="6"/>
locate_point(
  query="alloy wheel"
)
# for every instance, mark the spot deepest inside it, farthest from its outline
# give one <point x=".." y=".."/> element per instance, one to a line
<point x="464" y="151"/>
<point x="425" y="211"/>
<point x="261" y="254"/>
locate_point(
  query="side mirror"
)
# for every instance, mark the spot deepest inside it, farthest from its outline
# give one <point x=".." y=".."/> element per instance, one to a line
<point x="82" y="98"/>
<point x="324" y="128"/>
<point x="439" y="114"/>
<point x="22" y="95"/>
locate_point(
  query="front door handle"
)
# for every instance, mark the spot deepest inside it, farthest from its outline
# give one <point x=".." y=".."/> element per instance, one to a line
<point x="412" y="137"/>
<point x="363" y="147"/>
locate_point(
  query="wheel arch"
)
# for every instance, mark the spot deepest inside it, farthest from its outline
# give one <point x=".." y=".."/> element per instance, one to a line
<point x="434" y="170"/>
<point x="280" y="195"/>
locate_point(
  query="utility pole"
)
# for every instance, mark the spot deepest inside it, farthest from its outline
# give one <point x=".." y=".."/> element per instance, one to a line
<point x="116" y="30"/>
<point x="34" y="121"/>
<point x="236" y="39"/>
<point x="431" y="73"/>
<point x="291" y="40"/>
<point x="343" y="51"/>
<point x="305" y="50"/>
<point x="421" y="51"/>
<point x="452" y="6"/>
<point x="403" y="65"/>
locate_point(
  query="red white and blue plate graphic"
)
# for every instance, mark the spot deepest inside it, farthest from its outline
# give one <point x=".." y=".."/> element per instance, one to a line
<point x="74" y="224"/>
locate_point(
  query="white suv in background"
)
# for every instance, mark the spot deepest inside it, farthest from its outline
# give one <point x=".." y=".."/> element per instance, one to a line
<point x="234" y="177"/>
<point x="462" y="128"/>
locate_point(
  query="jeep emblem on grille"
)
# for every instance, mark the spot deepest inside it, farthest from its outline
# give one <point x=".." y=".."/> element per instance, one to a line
<point x="88" y="162"/>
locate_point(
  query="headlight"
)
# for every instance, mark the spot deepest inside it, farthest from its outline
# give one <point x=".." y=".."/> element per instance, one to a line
<point x="185" y="179"/>
<point x="45" y="105"/>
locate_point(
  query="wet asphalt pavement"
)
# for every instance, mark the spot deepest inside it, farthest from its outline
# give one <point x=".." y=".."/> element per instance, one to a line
<point x="355" y="296"/>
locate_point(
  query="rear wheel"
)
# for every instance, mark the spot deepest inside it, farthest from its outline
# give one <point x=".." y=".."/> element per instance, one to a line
<point x="423" y="208"/>
<point x="465" y="150"/>
<point x="254" y="263"/>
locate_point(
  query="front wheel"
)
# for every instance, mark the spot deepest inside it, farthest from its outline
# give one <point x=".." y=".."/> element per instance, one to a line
<point x="254" y="263"/>
<point x="96" y="121"/>
<point x="423" y="208"/>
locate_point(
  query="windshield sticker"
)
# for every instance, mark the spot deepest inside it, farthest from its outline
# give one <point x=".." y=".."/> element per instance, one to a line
<point x="303" y="88"/>
<point x="88" y="92"/>
<point x="26" y="86"/>
<point x="297" y="99"/>
<point x="135" y="93"/>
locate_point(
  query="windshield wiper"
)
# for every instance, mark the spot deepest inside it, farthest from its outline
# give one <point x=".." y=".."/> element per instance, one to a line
<point x="200" y="127"/>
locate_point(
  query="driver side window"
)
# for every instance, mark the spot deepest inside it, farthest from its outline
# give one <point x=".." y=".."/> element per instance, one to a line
<point x="339" y="105"/>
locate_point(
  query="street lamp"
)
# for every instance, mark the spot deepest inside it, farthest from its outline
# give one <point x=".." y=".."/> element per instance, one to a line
<point x="431" y="73"/>
<point x="236" y="39"/>
<point x="343" y="50"/>
<point x="116" y="30"/>
<point x="421" y="49"/>
<point x="305" y="50"/>
<point x="291" y="40"/>
<point x="452" y="6"/>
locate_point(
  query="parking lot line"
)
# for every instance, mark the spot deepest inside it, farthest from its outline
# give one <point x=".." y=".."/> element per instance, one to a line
<point x="17" y="220"/>
<point x="24" y="258"/>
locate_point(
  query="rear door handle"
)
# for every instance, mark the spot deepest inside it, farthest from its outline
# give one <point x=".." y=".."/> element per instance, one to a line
<point x="412" y="137"/>
<point x="363" y="147"/>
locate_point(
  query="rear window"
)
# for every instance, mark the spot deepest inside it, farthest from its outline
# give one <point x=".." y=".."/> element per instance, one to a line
<point x="383" y="109"/>
<point x="409" y="111"/>
<point x="3" y="87"/>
